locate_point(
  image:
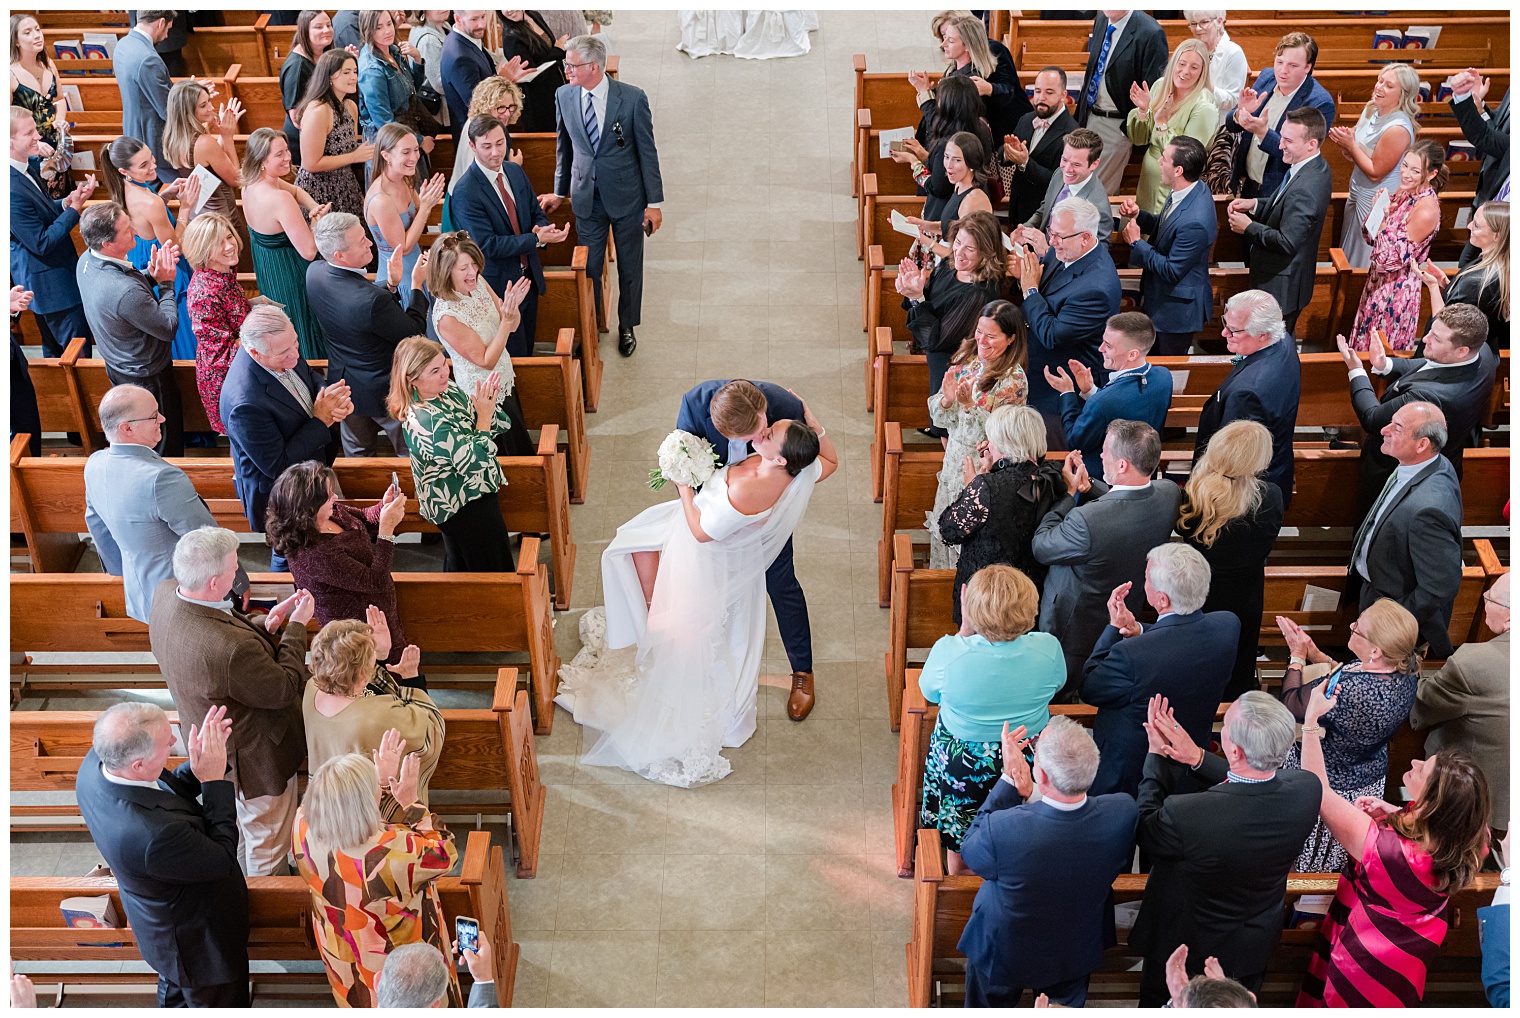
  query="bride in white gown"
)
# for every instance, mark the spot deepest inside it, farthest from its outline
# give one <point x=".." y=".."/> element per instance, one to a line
<point x="672" y="676"/>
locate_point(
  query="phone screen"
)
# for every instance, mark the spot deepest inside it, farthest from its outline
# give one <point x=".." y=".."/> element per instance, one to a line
<point x="1333" y="681"/>
<point x="467" y="933"/>
<point x="395" y="482"/>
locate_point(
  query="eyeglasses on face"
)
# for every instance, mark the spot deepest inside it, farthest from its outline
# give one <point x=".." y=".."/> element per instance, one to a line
<point x="139" y="420"/>
<point x="575" y="67"/>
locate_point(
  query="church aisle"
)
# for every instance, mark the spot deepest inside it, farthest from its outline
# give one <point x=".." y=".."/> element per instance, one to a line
<point x="775" y="886"/>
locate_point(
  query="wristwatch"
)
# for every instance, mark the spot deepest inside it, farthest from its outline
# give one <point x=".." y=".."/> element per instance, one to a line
<point x="1504" y="875"/>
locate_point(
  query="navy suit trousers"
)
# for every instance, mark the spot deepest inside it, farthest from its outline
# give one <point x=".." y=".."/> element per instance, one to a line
<point x="59" y="327"/>
<point x="790" y="605"/>
<point x="979" y="993"/>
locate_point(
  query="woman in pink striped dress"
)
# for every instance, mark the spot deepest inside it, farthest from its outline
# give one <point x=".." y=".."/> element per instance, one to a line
<point x="1389" y="914"/>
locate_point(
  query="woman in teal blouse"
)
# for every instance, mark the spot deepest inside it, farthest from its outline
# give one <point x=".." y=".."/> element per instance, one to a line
<point x="993" y="671"/>
<point x="1182" y="102"/>
<point x="452" y="440"/>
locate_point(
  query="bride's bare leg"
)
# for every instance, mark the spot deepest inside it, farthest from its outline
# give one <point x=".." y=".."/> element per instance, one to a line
<point x="647" y="565"/>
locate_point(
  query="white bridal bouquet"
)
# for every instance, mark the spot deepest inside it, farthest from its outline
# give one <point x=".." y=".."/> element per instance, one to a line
<point x="686" y="459"/>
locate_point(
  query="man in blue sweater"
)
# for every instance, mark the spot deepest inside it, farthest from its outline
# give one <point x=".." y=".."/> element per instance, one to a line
<point x="1136" y="390"/>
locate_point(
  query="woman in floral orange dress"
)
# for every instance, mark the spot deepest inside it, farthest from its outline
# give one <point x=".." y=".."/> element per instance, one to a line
<point x="1391" y="298"/>
<point x="373" y="883"/>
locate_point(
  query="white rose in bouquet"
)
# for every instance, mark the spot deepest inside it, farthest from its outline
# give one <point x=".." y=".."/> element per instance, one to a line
<point x="685" y="459"/>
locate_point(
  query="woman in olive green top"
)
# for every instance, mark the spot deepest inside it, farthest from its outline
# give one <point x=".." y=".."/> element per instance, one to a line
<point x="1181" y="102"/>
<point x="352" y="700"/>
<point x="452" y="440"/>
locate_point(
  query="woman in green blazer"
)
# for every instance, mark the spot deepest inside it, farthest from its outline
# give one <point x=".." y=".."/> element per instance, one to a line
<point x="1182" y="102"/>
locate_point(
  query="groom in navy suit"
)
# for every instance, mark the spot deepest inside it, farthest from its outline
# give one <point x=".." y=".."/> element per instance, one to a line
<point x="731" y="415"/>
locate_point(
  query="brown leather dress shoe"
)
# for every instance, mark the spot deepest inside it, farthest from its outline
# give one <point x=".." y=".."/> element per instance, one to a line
<point x="800" y="703"/>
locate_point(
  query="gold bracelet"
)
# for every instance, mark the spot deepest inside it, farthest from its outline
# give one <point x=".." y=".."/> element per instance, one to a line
<point x="1313" y="730"/>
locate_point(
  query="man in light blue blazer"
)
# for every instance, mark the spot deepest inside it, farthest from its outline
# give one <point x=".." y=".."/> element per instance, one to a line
<point x="137" y="505"/>
<point x="606" y="163"/>
<point x="144" y="82"/>
<point x="1136" y="390"/>
<point x="1175" y="281"/>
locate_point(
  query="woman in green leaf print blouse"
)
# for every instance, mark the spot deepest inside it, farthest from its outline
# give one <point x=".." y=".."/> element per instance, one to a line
<point x="451" y="436"/>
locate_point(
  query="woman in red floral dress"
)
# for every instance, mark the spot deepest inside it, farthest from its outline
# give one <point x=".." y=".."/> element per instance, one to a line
<point x="218" y="305"/>
<point x="1391" y="298"/>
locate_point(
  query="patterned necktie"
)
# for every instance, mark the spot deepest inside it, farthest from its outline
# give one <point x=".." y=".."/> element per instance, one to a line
<point x="297" y="388"/>
<point x="506" y="198"/>
<point x="592" y="130"/>
<point x="1166" y="209"/>
<point x="1092" y="85"/>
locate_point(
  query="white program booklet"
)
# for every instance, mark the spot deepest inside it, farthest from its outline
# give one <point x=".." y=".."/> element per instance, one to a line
<point x="901" y="225"/>
<point x="209" y="181"/>
<point x="888" y="137"/>
<point x="1379" y="210"/>
<point x="540" y="69"/>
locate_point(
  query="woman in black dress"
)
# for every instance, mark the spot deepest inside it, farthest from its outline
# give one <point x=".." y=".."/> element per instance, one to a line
<point x="1485" y="283"/>
<point x="1013" y="487"/>
<point x="953" y="107"/>
<point x="525" y="34"/>
<point x="1232" y="516"/>
<point x="314" y="36"/>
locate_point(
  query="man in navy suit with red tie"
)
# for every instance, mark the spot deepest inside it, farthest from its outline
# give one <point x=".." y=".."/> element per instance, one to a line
<point x="495" y="204"/>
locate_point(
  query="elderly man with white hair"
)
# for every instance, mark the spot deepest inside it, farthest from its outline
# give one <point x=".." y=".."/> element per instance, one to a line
<point x="276" y="410"/>
<point x="1219" y="857"/>
<point x="213" y="655"/>
<point x="1047" y="850"/>
<point x="1186" y="655"/>
<point x="137" y="505"/>
<point x="417" y="976"/>
<point x="1071" y="290"/>
<point x="170" y="838"/>
<point x="1263" y="386"/>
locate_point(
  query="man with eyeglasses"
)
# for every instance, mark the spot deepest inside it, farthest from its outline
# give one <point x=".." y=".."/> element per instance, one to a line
<point x="136" y="505"/>
<point x="1409" y="548"/>
<point x="606" y="163"/>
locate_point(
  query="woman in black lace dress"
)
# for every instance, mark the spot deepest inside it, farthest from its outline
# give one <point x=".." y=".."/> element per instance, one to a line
<point x="1014" y="486"/>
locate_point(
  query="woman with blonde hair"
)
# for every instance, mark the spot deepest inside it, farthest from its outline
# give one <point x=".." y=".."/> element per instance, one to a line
<point x="997" y="670"/>
<point x="371" y="855"/>
<point x="1182" y="102"/>
<point x="395" y="209"/>
<point x="1485" y="283"/>
<point x="217" y="304"/>
<point x="497" y="97"/>
<point x="1232" y="515"/>
<point x="452" y="439"/>
<point x="1376" y="146"/>
<point x="34" y="88"/>
<point x="353" y="699"/>
<point x="196" y="133"/>
<point x="1377" y="688"/>
<point x="280" y="218"/>
<point x="1390" y="302"/>
<point x="962" y="38"/>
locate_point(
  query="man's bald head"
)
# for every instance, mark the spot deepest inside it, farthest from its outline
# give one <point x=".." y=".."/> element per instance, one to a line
<point x="122" y="408"/>
<point x="1416" y="433"/>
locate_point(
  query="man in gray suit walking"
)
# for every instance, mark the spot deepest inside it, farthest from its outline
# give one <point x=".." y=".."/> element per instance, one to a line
<point x="606" y="163"/>
<point x="136" y="505"/>
<point x="144" y="82"/>
<point x="1095" y="547"/>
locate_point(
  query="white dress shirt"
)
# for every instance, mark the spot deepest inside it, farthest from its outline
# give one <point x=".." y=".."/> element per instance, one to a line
<point x="1106" y="101"/>
<point x="1401" y="478"/>
<point x="117" y="779"/>
<point x="22" y="165"/>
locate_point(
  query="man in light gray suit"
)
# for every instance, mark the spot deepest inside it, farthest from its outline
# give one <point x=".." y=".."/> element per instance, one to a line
<point x="606" y="163"/>
<point x="1095" y="547"/>
<point x="135" y="504"/>
<point x="144" y="82"/>
<point x="1078" y="179"/>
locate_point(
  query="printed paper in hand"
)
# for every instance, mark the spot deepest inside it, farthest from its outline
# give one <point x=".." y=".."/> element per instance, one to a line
<point x="888" y="137"/>
<point x="209" y="181"/>
<point x="1375" y="217"/>
<point x="901" y="225"/>
<point x="1320" y="599"/>
<point x="540" y="69"/>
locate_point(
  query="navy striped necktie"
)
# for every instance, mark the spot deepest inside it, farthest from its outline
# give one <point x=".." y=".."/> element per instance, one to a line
<point x="592" y="130"/>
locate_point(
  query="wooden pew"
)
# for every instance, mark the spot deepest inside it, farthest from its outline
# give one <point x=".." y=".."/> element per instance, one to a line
<point x="942" y="905"/>
<point x="280" y="926"/>
<point x="444" y="613"/>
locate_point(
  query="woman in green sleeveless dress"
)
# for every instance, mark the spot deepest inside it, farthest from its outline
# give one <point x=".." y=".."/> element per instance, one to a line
<point x="280" y="216"/>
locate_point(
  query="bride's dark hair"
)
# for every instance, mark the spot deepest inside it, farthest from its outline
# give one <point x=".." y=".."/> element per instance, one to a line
<point x="799" y="448"/>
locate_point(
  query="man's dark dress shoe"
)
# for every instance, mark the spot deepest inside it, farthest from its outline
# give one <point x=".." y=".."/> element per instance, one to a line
<point x="627" y="342"/>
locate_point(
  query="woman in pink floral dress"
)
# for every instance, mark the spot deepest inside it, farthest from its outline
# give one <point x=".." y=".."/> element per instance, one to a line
<point x="1391" y="298"/>
<point x="217" y="303"/>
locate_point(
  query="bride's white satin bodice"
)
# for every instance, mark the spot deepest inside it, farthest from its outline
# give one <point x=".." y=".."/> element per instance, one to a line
<point x="719" y="517"/>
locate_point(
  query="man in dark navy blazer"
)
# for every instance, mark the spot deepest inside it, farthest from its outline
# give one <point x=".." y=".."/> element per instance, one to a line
<point x="464" y="64"/>
<point x="43" y="259"/>
<point x="1285" y="86"/>
<point x="732" y="415"/>
<point x="175" y="859"/>
<point x="1263" y="386"/>
<point x="1047" y="852"/>
<point x="1174" y="283"/>
<point x="1126" y="48"/>
<point x="1136" y="390"/>
<point x="277" y="411"/>
<point x="1071" y="290"/>
<point x="1186" y="656"/>
<point x="1036" y="154"/>
<point x="495" y="204"/>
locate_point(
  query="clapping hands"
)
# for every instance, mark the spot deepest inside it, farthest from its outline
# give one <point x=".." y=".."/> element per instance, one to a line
<point x="919" y="80"/>
<point x="380" y="631"/>
<point x="81" y="193"/>
<point x="1140" y="95"/>
<point x="1119" y="615"/>
<point x="228" y="115"/>
<point x="21" y="299"/>
<point x="1300" y="644"/>
<point x="1014" y="764"/>
<point x="207" y="745"/>
<point x="332" y="403"/>
<point x="433" y="191"/>
<point x="1080" y="379"/>
<point x="1015" y="151"/>
<point x="1345" y="137"/>
<point x="1074" y="473"/>
<point x="1165" y="737"/>
<point x="163" y="262"/>
<point x="297" y="608"/>
<point x="911" y="280"/>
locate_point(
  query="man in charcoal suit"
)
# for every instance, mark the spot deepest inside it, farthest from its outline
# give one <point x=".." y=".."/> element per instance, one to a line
<point x="363" y="323"/>
<point x="43" y="259"/>
<point x="1047" y="849"/>
<point x="1185" y="655"/>
<point x="1282" y="227"/>
<point x="1263" y="386"/>
<point x="1457" y="374"/>
<point x="494" y="201"/>
<point x="1101" y="544"/>
<point x="1488" y="132"/>
<point x="1035" y="153"/>
<point x="1126" y="48"/>
<point x="144" y="81"/>
<point x="1136" y="390"/>
<point x="732" y="415"/>
<point x="171" y="838"/>
<point x="606" y="163"/>
<point x="1174" y="282"/>
<point x="1409" y="546"/>
<point x="1220" y="857"/>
